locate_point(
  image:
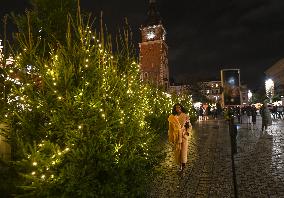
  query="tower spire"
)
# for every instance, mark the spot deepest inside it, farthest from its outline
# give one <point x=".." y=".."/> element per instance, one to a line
<point x="153" y="15"/>
<point x="154" y="49"/>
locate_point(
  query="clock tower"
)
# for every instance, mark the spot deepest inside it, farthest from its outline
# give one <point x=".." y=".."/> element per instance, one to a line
<point x="154" y="50"/>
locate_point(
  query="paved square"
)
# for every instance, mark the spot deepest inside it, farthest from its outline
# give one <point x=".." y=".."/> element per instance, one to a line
<point x="259" y="163"/>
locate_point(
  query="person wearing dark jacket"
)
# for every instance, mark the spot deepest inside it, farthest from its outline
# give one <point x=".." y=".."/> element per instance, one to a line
<point x="253" y="114"/>
<point x="266" y="117"/>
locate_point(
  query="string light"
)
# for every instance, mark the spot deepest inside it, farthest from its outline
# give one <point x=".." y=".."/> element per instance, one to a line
<point x="127" y="100"/>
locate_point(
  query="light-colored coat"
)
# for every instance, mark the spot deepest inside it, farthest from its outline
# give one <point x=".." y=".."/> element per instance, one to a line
<point x="178" y="136"/>
<point x="266" y="116"/>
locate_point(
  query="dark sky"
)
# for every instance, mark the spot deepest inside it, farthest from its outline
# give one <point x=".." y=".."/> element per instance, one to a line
<point x="203" y="36"/>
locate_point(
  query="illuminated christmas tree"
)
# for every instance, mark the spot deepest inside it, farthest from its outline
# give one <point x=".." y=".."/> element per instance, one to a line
<point x="81" y="123"/>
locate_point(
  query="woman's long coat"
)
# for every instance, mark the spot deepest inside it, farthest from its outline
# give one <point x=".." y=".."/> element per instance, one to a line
<point x="178" y="136"/>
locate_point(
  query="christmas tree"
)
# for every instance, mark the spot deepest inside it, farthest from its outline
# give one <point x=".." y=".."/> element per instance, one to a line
<point x="80" y="121"/>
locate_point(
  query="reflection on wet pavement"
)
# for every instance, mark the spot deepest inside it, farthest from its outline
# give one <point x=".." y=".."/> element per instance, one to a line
<point x="208" y="172"/>
<point x="259" y="161"/>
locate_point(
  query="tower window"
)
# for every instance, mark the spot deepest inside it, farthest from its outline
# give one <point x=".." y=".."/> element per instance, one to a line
<point x="146" y="75"/>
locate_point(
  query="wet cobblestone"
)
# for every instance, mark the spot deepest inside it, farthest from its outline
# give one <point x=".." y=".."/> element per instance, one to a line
<point x="260" y="160"/>
<point x="208" y="172"/>
<point x="259" y="163"/>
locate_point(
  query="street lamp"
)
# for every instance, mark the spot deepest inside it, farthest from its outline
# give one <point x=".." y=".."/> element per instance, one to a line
<point x="249" y="96"/>
<point x="269" y="88"/>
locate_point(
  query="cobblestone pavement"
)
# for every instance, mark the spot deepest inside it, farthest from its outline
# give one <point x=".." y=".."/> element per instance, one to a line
<point x="259" y="163"/>
<point x="260" y="160"/>
<point x="208" y="171"/>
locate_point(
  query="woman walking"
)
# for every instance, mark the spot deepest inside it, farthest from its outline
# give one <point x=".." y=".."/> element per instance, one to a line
<point x="179" y="127"/>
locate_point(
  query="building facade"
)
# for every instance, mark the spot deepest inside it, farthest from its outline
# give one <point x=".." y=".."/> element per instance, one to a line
<point x="154" y="50"/>
<point x="244" y="95"/>
<point x="276" y="73"/>
<point x="212" y="90"/>
<point x="179" y="89"/>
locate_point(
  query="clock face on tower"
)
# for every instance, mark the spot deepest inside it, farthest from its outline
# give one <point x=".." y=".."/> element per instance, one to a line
<point x="150" y="34"/>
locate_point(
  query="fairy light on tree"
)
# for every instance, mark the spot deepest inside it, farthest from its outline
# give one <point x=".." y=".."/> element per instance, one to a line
<point x="71" y="123"/>
<point x="10" y="60"/>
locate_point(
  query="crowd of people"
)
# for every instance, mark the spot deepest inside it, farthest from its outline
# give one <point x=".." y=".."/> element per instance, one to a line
<point x="247" y="114"/>
<point x="244" y="114"/>
<point x="277" y="111"/>
<point x="180" y="126"/>
<point x="205" y="111"/>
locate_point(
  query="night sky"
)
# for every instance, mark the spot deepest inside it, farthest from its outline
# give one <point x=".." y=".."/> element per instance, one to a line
<point x="203" y="36"/>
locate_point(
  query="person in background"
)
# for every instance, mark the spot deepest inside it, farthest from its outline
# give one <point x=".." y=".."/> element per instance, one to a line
<point x="274" y="111"/>
<point x="279" y="110"/>
<point x="206" y="112"/>
<point x="253" y="114"/>
<point x="266" y="117"/>
<point x="238" y="114"/>
<point x="214" y="112"/>
<point x="179" y="128"/>
<point x="249" y="114"/>
<point x="200" y="113"/>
